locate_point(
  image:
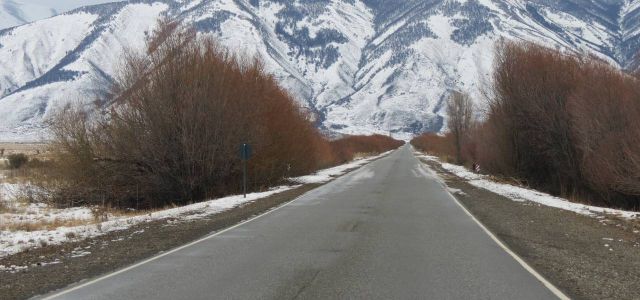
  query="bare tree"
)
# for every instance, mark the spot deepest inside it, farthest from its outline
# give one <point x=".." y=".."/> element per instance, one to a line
<point x="460" y="114"/>
<point x="567" y="124"/>
<point x="179" y="113"/>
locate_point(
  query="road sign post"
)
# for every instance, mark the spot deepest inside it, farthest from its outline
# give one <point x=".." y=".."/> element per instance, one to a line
<point x="245" y="154"/>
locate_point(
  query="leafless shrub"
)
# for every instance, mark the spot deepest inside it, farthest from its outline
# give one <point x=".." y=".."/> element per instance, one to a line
<point x="460" y="119"/>
<point x="17" y="160"/>
<point x="346" y="148"/>
<point x="605" y="112"/>
<point x="180" y="112"/>
<point x="173" y="132"/>
<point x="566" y="124"/>
<point x="434" y="144"/>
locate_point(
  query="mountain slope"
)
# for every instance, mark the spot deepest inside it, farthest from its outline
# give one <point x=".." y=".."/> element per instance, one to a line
<point x="363" y="66"/>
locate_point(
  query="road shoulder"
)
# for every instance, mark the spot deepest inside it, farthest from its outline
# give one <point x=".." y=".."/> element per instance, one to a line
<point x="42" y="270"/>
<point x="72" y="262"/>
<point x="585" y="257"/>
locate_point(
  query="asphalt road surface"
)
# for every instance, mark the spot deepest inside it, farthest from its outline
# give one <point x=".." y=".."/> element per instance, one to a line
<point x="389" y="230"/>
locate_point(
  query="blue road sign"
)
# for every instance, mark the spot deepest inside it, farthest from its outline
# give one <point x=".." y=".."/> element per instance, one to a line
<point x="245" y="154"/>
<point x="245" y="151"/>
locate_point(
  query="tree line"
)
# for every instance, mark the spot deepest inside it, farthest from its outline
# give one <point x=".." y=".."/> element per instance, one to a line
<point x="562" y="123"/>
<point x="171" y="134"/>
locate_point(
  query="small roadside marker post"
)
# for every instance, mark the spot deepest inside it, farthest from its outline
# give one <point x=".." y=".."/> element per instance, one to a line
<point x="245" y="154"/>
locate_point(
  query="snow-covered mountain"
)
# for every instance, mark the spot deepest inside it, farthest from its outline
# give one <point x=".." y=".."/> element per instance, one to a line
<point x="365" y="66"/>
<point x="18" y="12"/>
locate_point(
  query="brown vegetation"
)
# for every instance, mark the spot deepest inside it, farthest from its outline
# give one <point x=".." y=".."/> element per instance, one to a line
<point x="42" y="225"/>
<point x="38" y="150"/>
<point x="565" y="124"/>
<point x="173" y="132"/>
<point x="457" y="145"/>
<point x="572" y="125"/>
<point x="460" y="120"/>
<point x="347" y="148"/>
<point x="605" y="129"/>
<point x="16" y="161"/>
<point x="434" y="144"/>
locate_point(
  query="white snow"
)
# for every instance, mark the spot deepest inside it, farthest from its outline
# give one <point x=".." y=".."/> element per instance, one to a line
<point x="521" y="194"/>
<point x="30" y="51"/>
<point x="456" y="191"/>
<point x="12" y="242"/>
<point x="328" y="174"/>
<point x="383" y="79"/>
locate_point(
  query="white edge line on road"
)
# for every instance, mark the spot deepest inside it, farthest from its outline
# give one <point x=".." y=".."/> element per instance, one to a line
<point x="64" y="292"/>
<point x="169" y="252"/>
<point x="504" y="247"/>
<point x="69" y="290"/>
<point x="521" y="261"/>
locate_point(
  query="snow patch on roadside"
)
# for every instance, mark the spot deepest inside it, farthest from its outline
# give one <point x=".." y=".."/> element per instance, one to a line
<point x="456" y="191"/>
<point x="521" y="194"/>
<point x="12" y="242"/>
<point x="328" y="174"/>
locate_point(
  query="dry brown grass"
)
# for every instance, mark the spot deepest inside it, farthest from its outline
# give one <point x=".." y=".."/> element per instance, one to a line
<point x="43" y="225"/>
<point x="17" y="176"/>
<point x="100" y="215"/>
<point x="433" y="144"/>
<point x="508" y="180"/>
<point x="100" y="212"/>
<point x="363" y="155"/>
<point x="2" y="198"/>
<point x="30" y="149"/>
<point x="351" y="146"/>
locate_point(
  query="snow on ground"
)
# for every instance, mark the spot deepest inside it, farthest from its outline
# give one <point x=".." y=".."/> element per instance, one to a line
<point x="12" y="242"/>
<point x="521" y="194"/>
<point x="457" y="191"/>
<point x="18" y="213"/>
<point x="327" y="174"/>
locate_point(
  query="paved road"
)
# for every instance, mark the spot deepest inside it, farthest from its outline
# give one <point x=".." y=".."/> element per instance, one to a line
<point x="386" y="231"/>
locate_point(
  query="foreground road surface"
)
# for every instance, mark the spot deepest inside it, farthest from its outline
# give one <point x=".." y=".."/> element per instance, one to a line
<point x="386" y="231"/>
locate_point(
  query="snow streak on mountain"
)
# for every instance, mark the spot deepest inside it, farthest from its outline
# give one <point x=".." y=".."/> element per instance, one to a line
<point x="364" y="66"/>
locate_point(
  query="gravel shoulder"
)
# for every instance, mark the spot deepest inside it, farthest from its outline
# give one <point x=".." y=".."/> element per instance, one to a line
<point x="585" y="257"/>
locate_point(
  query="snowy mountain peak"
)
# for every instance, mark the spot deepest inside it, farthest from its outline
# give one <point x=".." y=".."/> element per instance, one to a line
<point x="364" y="66"/>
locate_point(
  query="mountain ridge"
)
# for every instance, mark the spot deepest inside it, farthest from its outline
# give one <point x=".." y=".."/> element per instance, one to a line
<point x="371" y="66"/>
